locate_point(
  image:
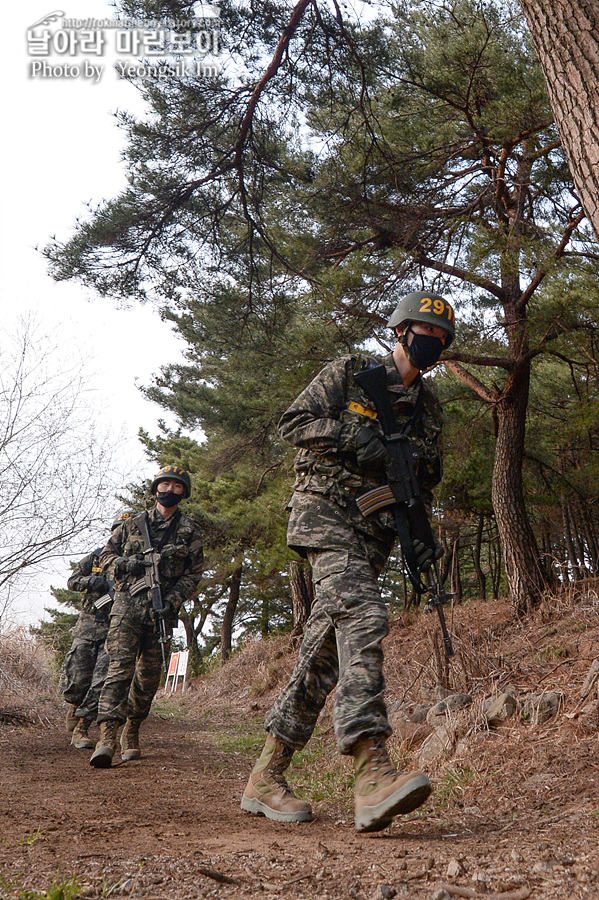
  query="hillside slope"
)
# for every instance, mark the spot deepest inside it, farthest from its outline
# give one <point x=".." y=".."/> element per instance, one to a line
<point x="515" y="812"/>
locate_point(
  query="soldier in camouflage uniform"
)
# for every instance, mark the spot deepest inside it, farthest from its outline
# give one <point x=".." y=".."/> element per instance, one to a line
<point x="133" y="641"/>
<point x="86" y="664"/>
<point x="341" y="456"/>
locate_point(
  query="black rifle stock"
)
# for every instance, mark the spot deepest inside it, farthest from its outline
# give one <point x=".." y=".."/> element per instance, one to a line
<point x="152" y="582"/>
<point x="403" y="494"/>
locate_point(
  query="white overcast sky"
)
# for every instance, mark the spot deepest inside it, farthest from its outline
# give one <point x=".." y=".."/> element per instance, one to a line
<point x="61" y="148"/>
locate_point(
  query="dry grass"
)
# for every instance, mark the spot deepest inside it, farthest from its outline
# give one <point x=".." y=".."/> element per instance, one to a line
<point x="27" y="690"/>
<point x="250" y="679"/>
<point x="552" y="650"/>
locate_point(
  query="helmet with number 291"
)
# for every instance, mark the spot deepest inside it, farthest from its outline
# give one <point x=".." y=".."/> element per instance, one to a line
<point x="422" y="306"/>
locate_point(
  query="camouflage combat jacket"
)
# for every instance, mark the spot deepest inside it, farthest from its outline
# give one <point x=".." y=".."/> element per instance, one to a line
<point x="181" y="557"/>
<point x="79" y="580"/>
<point x="329" y="413"/>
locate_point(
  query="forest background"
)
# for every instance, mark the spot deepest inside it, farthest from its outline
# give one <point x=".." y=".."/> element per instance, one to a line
<point x="275" y="216"/>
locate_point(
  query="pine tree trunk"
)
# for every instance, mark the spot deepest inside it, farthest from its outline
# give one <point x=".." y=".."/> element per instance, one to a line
<point x="520" y="554"/>
<point x="572" y="557"/>
<point x="480" y="575"/>
<point x="566" y="36"/>
<point x="456" y="578"/>
<point x="495" y="565"/>
<point x="577" y="519"/>
<point x="231" y="608"/>
<point x="191" y="638"/>
<point x="591" y="538"/>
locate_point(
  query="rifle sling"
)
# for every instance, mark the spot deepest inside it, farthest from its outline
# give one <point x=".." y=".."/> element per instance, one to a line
<point x="390" y="429"/>
<point x="143" y="521"/>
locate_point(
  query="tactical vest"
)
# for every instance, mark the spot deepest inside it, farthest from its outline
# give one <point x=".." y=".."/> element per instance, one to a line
<point x="338" y="474"/>
<point x="173" y="556"/>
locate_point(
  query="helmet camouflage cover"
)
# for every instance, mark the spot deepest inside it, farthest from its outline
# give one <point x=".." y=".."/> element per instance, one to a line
<point x="173" y="473"/>
<point x="422" y="306"/>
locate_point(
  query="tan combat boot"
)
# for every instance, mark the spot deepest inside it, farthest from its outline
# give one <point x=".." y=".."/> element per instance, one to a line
<point x="71" y="719"/>
<point x="81" y="739"/>
<point x="380" y="791"/>
<point x="130" y="741"/>
<point x="101" y="758"/>
<point x="267" y="793"/>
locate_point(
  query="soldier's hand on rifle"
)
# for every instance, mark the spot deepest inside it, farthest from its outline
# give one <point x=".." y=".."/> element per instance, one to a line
<point x="169" y="611"/>
<point x="370" y="449"/>
<point x="97" y="583"/>
<point x="130" y="565"/>
<point x="426" y="555"/>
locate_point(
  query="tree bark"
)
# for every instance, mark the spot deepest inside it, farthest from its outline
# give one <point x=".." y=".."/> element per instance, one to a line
<point x="456" y="578"/>
<point x="520" y="553"/>
<point x="480" y="575"/>
<point x="571" y="549"/>
<point x="191" y="638"/>
<point x="495" y="565"/>
<point x="566" y="37"/>
<point x="577" y="518"/>
<point x="231" y="608"/>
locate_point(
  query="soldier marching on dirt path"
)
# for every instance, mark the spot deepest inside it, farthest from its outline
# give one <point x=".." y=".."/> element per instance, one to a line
<point x="135" y="645"/>
<point x="343" y="454"/>
<point x="85" y="666"/>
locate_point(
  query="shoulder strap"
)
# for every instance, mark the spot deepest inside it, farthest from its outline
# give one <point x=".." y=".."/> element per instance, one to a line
<point x="143" y="523"/>
<point x="415" y="415"/>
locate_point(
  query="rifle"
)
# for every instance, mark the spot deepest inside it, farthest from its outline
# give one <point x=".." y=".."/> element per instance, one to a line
<point x="151" y="583"/>
<point x="403" y="493"/>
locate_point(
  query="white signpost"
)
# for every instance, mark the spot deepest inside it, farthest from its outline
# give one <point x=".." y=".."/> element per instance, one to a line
<point x="177" y="669"/>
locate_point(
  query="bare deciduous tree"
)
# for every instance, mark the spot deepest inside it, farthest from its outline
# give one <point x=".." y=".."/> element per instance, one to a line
<point x="54" y="494"/>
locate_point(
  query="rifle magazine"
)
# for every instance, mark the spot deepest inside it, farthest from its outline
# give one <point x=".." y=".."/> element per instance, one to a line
<point x="375" y="499"/>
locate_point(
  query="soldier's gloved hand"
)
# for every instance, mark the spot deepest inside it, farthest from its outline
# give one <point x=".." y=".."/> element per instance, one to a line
<point x="425" y="555"/>
<point x="97" y="583"/>
<point x="368" y="447"/>
<point x="130" y="565"/>
<point x="169" y="611"/>
<point x="136" y="564"/>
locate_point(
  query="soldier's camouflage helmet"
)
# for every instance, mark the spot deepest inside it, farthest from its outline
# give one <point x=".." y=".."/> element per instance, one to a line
<point x="173" y="473"/>
<point x="120" y="517"/>
<point x="422" y="306"/>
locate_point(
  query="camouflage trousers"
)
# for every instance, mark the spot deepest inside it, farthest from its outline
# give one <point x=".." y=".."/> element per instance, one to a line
<point x="135" y="661"/>
<point x="342" y="648"/>
<point x="85" y="666"/>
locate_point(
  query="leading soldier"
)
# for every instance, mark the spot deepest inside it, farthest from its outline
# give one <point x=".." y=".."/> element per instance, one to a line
<point x="133" y="642"/>
<point x="342" y="455"/>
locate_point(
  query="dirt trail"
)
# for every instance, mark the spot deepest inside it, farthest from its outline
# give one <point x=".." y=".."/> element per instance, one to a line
<point x="169" y="826"/>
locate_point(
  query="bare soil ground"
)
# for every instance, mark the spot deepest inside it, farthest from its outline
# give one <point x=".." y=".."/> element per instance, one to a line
<point x="515" y="812"/>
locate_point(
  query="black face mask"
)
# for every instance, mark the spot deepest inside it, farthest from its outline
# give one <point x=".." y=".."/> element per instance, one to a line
<point x="424" y="351"/>
<point x="168" y="499"/>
